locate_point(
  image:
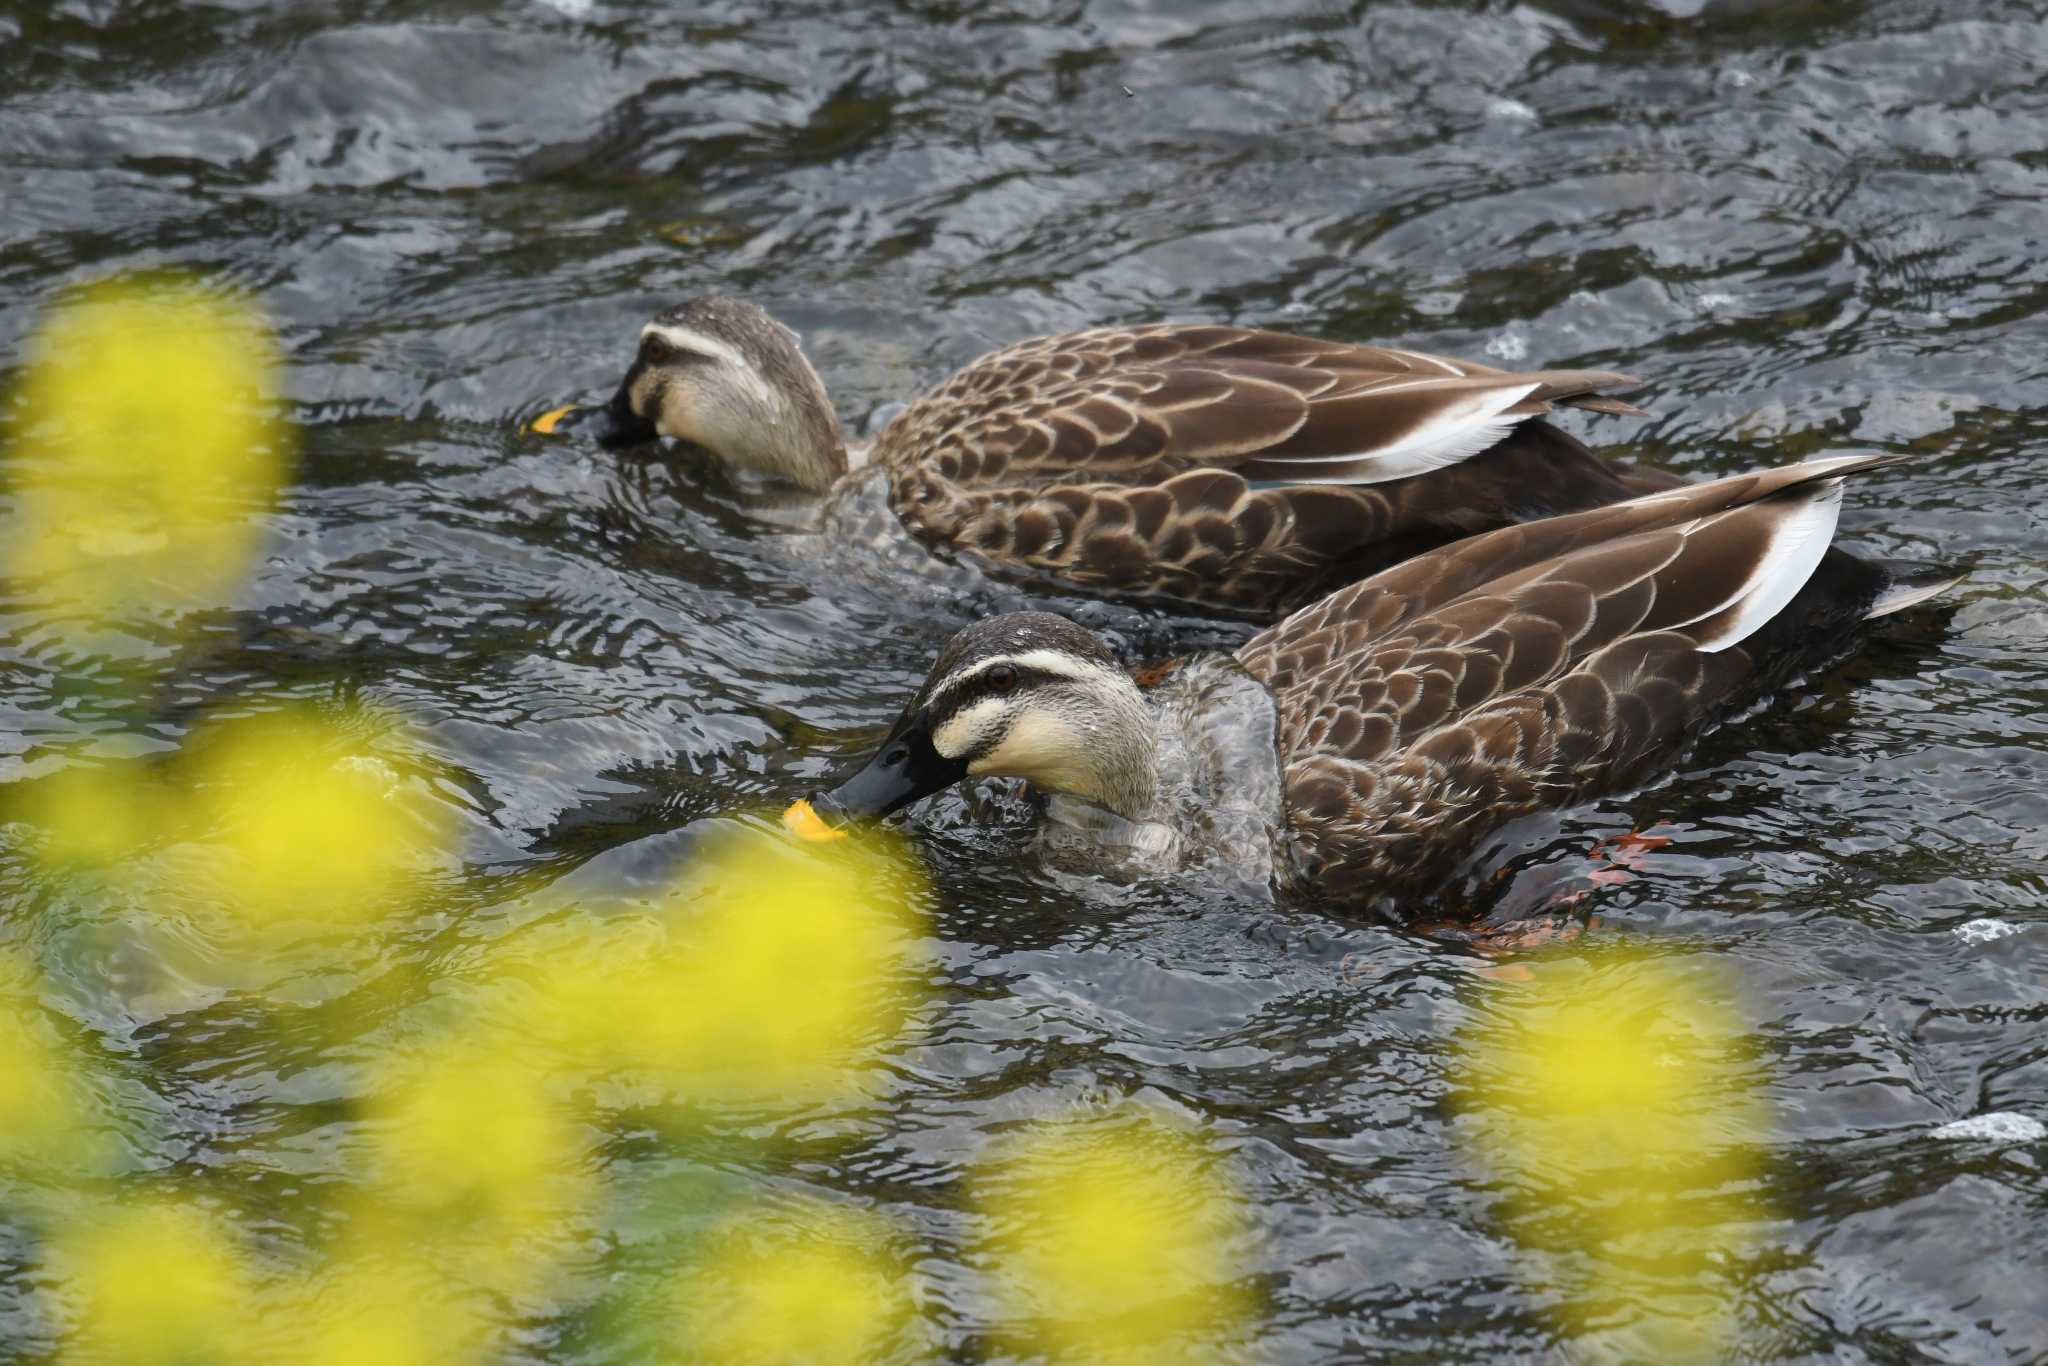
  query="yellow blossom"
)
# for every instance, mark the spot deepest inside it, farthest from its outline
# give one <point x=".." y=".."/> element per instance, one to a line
<point x="390" y="1307"/>
<point x="1117" y="1243"/>
<point x="311" y="822"/>
<point x="148" y="442"/>
<point x="1614" y="1108"/>
<point x="155" y="1285"/>
<point x="98" y="814"/>
<point x="36" y="1095"/>
<point x="474" y="1162"/>
<point x="763" y="978"/>
<point x="824" y="1293"/>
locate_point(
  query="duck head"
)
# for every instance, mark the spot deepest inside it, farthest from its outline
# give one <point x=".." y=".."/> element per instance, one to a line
<point x="721" y="374"/>
<point x="1024" y="695"/>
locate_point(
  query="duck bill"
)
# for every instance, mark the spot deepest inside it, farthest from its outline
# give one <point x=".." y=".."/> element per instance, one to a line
<point x="905" y="768"/>
<point x="611" y="425"/>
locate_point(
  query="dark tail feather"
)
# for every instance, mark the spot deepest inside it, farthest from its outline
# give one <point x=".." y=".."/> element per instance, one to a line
<point x="1543" y="471"/>
<point x="1642" y="479"/>
<point x="1909" y="588"/>
<point x="1600" y="403"/>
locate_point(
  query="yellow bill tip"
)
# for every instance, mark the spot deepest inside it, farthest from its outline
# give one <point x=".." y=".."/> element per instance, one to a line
<point x="546" y="422"/>
<point x="800" y="820"/>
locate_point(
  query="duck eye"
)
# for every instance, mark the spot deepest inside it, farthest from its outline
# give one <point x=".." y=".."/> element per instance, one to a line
<point x="1002" y="678"/>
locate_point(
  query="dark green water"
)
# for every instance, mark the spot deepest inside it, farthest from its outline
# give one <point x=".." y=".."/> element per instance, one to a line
<point x="1809" y="226"/>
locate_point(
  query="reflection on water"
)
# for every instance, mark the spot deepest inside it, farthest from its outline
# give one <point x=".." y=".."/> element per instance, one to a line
<point x="1806" y="228"/>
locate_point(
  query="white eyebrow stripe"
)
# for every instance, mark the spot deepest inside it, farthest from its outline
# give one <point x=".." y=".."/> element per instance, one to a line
<point x="1055" y="662"/>
<point x="687" y="339"/>
<point x="684" y="339"/>
<point x="1043" y="661"/>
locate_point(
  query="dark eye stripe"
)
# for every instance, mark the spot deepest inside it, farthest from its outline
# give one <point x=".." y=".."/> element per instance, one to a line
<point x="949" y="700"/>
<point x="660" y="351"/>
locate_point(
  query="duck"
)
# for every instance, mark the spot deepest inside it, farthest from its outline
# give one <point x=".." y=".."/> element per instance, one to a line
<point x="1408" y="715"/>
<point x="1210" y="467"/>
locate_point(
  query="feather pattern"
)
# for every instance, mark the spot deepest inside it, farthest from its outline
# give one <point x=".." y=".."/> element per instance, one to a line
<point x="1232" y="468"/>
<point x="1409" y="714"/>
<point x="1544" y="663"/>
<point x="1221" y="468"/>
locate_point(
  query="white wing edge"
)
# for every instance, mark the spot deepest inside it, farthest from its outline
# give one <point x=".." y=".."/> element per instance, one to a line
<point x="1801" y="539"/>
<point x="1457" y="433"/>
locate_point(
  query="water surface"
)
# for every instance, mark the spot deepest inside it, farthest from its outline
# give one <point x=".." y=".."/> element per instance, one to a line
<point x="1807" y="226"/>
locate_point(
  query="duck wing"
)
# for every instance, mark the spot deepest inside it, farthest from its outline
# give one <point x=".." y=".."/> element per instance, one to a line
<point x="1131" y="404"/>
<point x="1544" y="663"/>
<point x="1232" y="467"/>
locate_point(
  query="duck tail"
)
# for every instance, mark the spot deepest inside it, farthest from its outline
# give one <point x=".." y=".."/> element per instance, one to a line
<point x="1602" y="403"/>
<point x="1909" y="588"/>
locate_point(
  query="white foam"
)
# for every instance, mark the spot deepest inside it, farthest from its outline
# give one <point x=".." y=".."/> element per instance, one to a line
<point x="1509" y="346"/>
<point x="371" y="771"/>
<point x="2000" y="1126"/>
<point x="1983" y="931"/>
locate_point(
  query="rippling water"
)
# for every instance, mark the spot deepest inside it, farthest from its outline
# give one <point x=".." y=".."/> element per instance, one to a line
<point x="1807" y="226"/>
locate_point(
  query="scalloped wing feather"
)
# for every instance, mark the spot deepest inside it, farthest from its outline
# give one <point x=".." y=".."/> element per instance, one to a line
<point x="1445" y="696"/>
<point x="1224" y="467"/>
<point x="1224" y="396"/>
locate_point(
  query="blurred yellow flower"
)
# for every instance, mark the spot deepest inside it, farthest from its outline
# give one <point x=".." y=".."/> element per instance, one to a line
<point x="312" y="823"/>
<point x="148" y="442"/>
<point x="765" y="979"/>
<point x="1117" y="1243"/>
<point x="473" y="1164"/>
<point x="1614" y="1107"/>
<point x="155" y="1283"/>
<point x="824" y="1293"/>
<point x="376" y="1308"/>
<point x="96" y="814"/>
<point x="36" y="1097"/>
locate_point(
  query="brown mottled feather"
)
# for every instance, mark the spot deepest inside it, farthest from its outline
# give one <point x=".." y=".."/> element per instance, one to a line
<point x="1219" y="467"/>
<point x="1532" y="666"/>
<point x="1190" y="462"/>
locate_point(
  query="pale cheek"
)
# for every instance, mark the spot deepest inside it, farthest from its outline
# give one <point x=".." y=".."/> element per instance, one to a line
<point x="966" y="732"/>
<point x="652" y="403"/>
<point x="1044" y="750"/>
<point x="678" y="417"/>
<point x="660" y="403"/>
